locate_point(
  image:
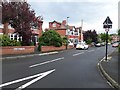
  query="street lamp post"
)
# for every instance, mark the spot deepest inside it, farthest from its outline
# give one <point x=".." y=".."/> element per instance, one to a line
<point x="67" y="34"/>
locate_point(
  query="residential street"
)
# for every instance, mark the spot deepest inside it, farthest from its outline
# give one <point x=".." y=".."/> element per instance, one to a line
<point x="66" y="69"/>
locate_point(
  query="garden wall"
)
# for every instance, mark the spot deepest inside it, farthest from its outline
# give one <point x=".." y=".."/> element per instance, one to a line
<point x="52" y="48"/>
<point x="17" y="50"/>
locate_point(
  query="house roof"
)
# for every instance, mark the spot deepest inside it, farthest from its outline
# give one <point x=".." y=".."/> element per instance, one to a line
<point x="55" y="21"/>
<point x="63" y="26"/>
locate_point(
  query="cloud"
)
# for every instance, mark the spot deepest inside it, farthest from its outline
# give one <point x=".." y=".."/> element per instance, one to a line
<point x="108" y="1"/>
<point x="93" y="13"/>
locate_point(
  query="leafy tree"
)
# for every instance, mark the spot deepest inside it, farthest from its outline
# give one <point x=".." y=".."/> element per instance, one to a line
<point x="20" y="16"/>
<point x="119" y="40"/>
<point x="50" y="37"/>
<point x="119" y="32"/>
<point x="94" y="36"/>
<point x="103" y="37"/>
<point x="6" y="15"/>
<point x="64" y="40"/>
<point x="90" y="36"/>
<point x="89" y="41"/>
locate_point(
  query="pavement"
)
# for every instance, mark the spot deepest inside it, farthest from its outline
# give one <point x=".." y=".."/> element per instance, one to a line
<point x="109" y="69"/>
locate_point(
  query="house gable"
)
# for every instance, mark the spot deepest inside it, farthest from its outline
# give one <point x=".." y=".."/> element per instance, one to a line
<point x="54" y="25"/>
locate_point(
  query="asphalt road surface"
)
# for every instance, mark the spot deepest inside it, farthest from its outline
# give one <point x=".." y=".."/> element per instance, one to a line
<point x="67" y="69"/>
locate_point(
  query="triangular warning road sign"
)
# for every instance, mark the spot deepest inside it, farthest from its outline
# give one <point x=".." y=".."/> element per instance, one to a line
<point x="107" y="21"/>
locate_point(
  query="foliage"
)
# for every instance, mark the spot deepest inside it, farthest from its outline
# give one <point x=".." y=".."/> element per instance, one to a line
<point x="119" y="40"/>
<point x="103" y="37"/>
<point x="119" y="48"/>
<point x="119" y="32"/>
<point x="90" y="35"/>
<point x="89" y="41"/>
<point x="64" y="40"/>
<point x="50" y="37"/>
<point x="5" y="41"/>
<point x="21" y="18"/>
<point x="32" y="44"/>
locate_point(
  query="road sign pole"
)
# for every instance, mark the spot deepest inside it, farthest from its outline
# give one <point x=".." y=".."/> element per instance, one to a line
<point x="107" y="24"/>
<point x="106" y="44"/>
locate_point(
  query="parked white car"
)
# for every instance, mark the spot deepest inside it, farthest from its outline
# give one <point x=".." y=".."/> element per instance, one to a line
<point x="97" y="45"/>
<point x="82" y="45"/>
<point x="70" y="44"/>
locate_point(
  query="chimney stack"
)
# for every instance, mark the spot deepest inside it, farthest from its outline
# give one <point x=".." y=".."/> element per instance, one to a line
<point x="64" y="22"/>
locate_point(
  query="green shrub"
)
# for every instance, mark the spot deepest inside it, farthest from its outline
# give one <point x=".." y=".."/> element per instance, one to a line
<point x="32" y="44"/>
<point x="50" y="38"/>
<point x="89" y="41"/>
<point x="64" y="40"/>
<point x="41" y="44"/>
<point x="5" y="41"/>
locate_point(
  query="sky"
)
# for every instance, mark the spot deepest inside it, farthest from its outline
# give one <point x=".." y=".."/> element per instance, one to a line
<point x="92" y="12"/>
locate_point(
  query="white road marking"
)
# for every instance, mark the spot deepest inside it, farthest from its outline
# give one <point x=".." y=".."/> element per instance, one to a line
<point x="91" y="50"/>
<point x="35" y="80"/>
<point x="30" y="77"/>
<point x="48" y="53"/>
<point x="78" y="54"/>
<point x="46" y="62"/>
<point x="24" y="56"/>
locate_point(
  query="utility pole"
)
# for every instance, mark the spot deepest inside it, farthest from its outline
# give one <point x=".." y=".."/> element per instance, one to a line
<point x="67" y="34"/>
<point x="81" y="33"/>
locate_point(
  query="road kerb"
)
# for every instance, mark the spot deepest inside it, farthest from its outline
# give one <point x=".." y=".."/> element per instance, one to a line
<point x="107" y="76"/>
<point x="24" y="56"/>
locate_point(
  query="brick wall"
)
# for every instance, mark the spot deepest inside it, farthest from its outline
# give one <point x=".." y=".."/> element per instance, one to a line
<point x="52" y="48"/>
<point x="61" y="32"/>
<point x="17" y="50"/>
<point x="54" y="22"/>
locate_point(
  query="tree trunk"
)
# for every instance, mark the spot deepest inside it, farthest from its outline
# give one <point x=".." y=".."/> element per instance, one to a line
<point x="5" y="29"/>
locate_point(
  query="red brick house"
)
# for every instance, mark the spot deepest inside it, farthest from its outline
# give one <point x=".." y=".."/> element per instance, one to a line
<point x="72" y="32"/>
<point x="115" y="38"/>
<point x="36" y="32"/>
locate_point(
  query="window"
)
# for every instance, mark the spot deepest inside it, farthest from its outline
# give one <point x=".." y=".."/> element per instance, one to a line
<point x="76" y="33"/>
<point x="20" y="38"/>
<point x="15" y="37"/>
<point x="1" y="25"/>
<point x="54" y="24"/>
<point x="11" y="36"/>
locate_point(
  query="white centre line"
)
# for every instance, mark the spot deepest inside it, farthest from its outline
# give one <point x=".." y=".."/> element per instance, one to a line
<point x="78" y="54"/>
<point x="46" y="62"/>
<point x="91" y="50"/>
